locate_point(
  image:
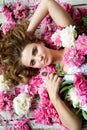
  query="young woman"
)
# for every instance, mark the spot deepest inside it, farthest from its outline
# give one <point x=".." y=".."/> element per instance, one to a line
<point x="23" y="55"/>
<point x="20" y="39"/>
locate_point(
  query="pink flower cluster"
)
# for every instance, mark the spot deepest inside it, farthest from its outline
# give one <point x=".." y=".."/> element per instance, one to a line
<point x="81" y="44"/>
<point x="81" y="85"/>
<point x="21" y="124"/>
<point x="34" y="85"/>
<point x="6" y="101"/>
<point x="7" y="27"/>
<point x="46" y="33"/>
<point x="16" y="11"/>
<point x="37" y="81"/>
<point x="49" y="27"/>
<point x="75" y="13"/>
<point x="74" y="57"/>
<point x="43" y="113"/>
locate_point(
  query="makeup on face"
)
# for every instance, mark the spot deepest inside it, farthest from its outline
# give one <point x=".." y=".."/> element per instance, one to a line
<point x="36" y="56"/>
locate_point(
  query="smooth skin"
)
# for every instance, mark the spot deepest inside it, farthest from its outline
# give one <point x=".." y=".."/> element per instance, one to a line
<point x="61" y="17"/>
<point x="68" y="118"/>
<point x="58" y="14"/>
<point x="36" y="55"/>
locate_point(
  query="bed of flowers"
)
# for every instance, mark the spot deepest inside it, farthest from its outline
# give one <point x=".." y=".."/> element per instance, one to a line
<point x="74" y="84"/>
<point x="31" y="101"/>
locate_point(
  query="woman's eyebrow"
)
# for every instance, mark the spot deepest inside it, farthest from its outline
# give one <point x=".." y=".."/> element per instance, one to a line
<point x="34" y="50"/>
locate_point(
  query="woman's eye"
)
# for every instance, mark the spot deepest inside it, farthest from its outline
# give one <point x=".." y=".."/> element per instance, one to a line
<point x="32" y="62"/>
<point x="35" y="51"/>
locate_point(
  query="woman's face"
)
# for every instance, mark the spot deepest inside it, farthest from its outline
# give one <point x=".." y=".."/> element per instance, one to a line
<point x="36" y="55"/>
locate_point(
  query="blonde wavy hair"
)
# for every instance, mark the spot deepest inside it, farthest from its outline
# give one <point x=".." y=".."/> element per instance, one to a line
<point x="11" y="48"/>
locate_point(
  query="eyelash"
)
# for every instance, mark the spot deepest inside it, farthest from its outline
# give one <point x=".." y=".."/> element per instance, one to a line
<point x="35" y="51"/>
<point x="32" y="62"/>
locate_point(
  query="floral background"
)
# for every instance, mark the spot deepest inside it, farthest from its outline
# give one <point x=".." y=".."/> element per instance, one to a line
<point x="25" y="104"/>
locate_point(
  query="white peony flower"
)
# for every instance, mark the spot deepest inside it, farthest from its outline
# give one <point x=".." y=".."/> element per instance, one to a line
<point x="69" y="77"/>
<point x="68" y="36"/>
<point x="73" y="97"/>
<point x="21" y="104"/>
<point x="84" y="68"/>
<point x="70" y="73"/>
<point x="3" y="84"/>
<point x="84" y="107"/>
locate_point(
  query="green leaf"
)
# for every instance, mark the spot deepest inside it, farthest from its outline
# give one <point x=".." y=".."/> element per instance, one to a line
<point x="84" y="113"/>
<point x="85" y="76"/>
<point x="65" y="88"/>
<point x="65" y="94"/>
<point x="55" y="73"/>
<point x="79" y="111"/>
<point x="62" y="73"/>
<point x="64" y="83"/>
<point x="15" y="113"/>
<point x="84" y="21"/>
<point x="37" y="97"/>
<point x="58" y="67"/>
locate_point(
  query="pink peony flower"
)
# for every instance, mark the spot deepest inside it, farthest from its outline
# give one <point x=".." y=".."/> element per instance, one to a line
<point x="47" y="20"/>
<point x="4" y="9"/>
<point x="19" y="11"/>
<point x="47" y="70"/>
<point x="74" y="13"/>
<point x="46" y="115"/>
<point x="74" y="57"/>
<point x="81" y="85"/>
<point x="46" y="32"/>
<point x="7" y="128"/>
<point x="17" y="91"/>
<point x="7" y="27"/>
<point x="32" y="87"/>
<point x="21" y="14"/>
<point x="9" y="17"/>
<point x="44" y="97"/>
<point x="84" y="11"/>
<point x="7" y="14"/>
<point x="81" y="44"/>
<point x="16" y="11"/>
<point x="56" y="38"/>
<point x="21" y="124"/>
<point x="6" y="102"/>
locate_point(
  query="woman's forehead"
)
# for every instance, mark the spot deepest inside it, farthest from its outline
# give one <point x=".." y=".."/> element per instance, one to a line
<point x="29" y="45"/>
<point x="27" y="49"/>
<point x="26" y="54"/>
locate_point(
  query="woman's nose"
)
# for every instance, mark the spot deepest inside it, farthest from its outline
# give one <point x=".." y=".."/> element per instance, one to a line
<point x="39" y="58"/>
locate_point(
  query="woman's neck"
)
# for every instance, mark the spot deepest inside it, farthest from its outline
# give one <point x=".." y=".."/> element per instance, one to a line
<point x="58" y="56"/>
